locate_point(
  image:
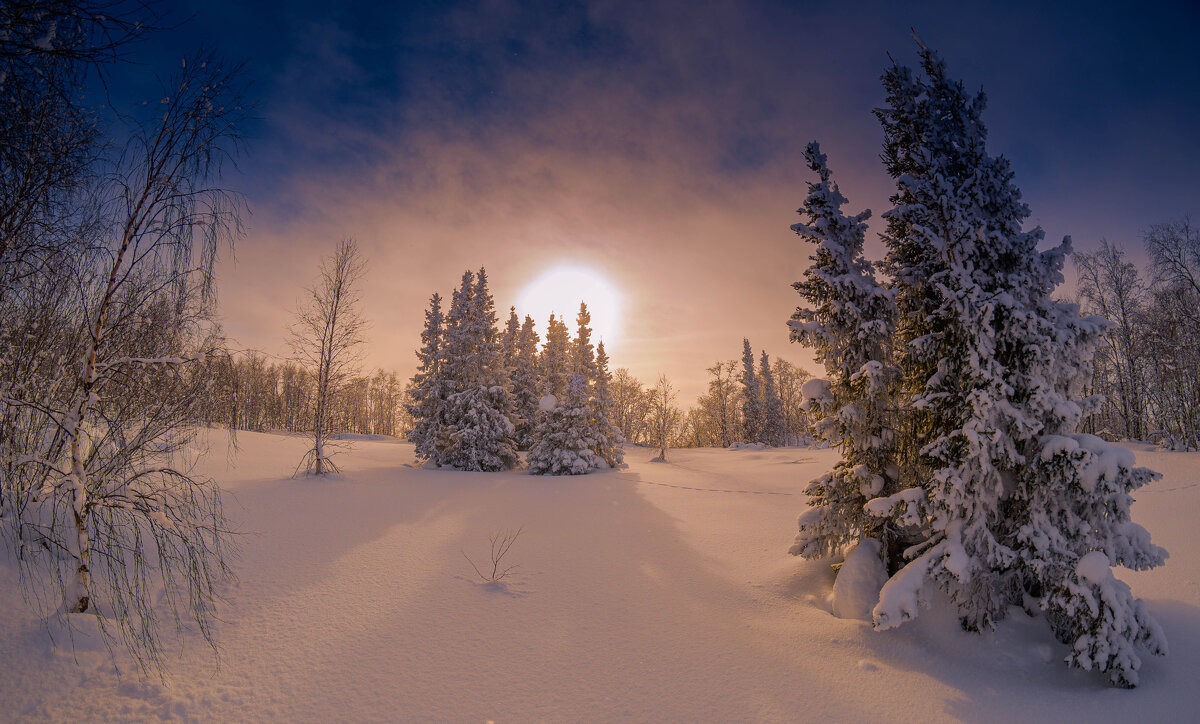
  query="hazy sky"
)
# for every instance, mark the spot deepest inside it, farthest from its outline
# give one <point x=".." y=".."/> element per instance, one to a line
<point x="660" y="144"/>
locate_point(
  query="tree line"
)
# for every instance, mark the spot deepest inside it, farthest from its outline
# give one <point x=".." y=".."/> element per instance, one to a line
<point x="769" y="396"/>
<point x="1147" y="368"/>
<point x="1144" y="380"/>
<point x="252" y="392"/>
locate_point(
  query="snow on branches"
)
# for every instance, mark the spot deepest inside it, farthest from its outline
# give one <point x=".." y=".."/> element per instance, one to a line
<point x="954" y="394"/>
<point x="479" y="395"/>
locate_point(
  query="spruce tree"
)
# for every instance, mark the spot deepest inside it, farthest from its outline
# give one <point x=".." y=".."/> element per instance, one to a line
<point x="752" y="408"/>
<point x="607" y="435"/>
<point x="943" y="255"/>
<point x="508" y="341"/>
<point x="555" y="361"/>
<point x="583" y="356"/>
<point x="772" y="413"/>
<point x="478" y="432"/>
<point x="565" y="444"/>
<point x="848" y="320"/>
<point x="459" y="344"/>
<point x="1009" y="502"/>
<point x="525" y="384"/>
<point x="428" y="389"/>
<point x="457" y="354"/>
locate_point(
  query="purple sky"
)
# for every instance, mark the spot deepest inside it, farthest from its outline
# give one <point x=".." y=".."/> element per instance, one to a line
<point x="660" y="144"/>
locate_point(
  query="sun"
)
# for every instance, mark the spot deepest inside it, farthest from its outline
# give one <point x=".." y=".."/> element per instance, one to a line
<point x="561" y="289"/>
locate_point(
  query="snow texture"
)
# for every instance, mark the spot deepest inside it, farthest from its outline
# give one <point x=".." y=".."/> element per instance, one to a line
<point x="644" y="595"/>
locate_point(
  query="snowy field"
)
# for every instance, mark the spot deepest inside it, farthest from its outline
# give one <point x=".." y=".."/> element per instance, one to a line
<point x="661" y="592"/>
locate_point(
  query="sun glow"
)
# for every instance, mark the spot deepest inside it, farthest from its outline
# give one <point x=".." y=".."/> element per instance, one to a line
<point x="561" y="289"/>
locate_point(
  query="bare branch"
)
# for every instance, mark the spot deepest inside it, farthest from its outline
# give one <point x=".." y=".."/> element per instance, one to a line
<point x="501" y="542"/>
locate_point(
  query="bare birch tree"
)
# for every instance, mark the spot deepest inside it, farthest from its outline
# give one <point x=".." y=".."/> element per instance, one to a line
<point x="720" y="404"/>
<point x="789" y="380"/>
<point x="49" y="141"/>
<point x="1173" y="332"/>
<point x="325" y="337"/>
<point x="1112" y="287"/>
<point x="103" y="381"/>
<point x="664" y="415"/>
<point x="630" y="406"/>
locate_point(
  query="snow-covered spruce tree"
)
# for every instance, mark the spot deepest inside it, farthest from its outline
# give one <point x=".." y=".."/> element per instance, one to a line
<point x="564" y="442"/>
<point x="1012" y="503"/>
<point x="457" y="351"/>
<point x="508" y="341"/>
<point x="583" y="354"/>
<point x="477" y="433"/>
<point x="555" y="361"/>
<point x="608" y="437"/>
<point x="752" y="408"/>
<point x="525" y="384"/>
<point x="428" y="389"/>
<point x="772" y="413"/>
<point x="847" y="319"/>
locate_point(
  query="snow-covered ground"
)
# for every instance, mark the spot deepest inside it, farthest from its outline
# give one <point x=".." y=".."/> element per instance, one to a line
<point x="660" y="592"/>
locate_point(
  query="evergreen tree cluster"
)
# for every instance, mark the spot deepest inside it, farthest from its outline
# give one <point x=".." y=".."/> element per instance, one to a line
<point x="954" y="391"/>
<point x="481" y="394"/>
<point x="762" y="407"/>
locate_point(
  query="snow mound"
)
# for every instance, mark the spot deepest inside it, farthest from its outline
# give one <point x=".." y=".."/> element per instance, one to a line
<point x="747" y="446"/>
<point x="856" y="590"/>
<point x="1093" y="567"/>
<point x="815" y="393"/>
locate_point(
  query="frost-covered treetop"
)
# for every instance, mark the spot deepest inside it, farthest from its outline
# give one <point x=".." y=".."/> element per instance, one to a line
<point x="955" y="206"/>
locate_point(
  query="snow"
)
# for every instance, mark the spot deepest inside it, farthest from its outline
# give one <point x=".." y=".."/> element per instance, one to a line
<point x="900" y="599"/>
<point x="650" y="593"/>
<point x="856" y="589"/>
<point x="815" y="389"/>
<point x="747" y="446"/>
<point x="1093" y="567"/>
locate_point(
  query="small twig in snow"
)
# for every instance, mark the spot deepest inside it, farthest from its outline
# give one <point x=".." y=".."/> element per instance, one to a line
<point x="501" y="542"/>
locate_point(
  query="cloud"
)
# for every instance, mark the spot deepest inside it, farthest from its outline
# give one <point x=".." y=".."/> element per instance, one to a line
<point x="657" y="142"/>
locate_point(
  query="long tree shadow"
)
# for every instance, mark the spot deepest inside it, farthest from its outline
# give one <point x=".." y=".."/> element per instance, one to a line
<point x="1017" y="672"/>
<point x="612" y="612"/>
